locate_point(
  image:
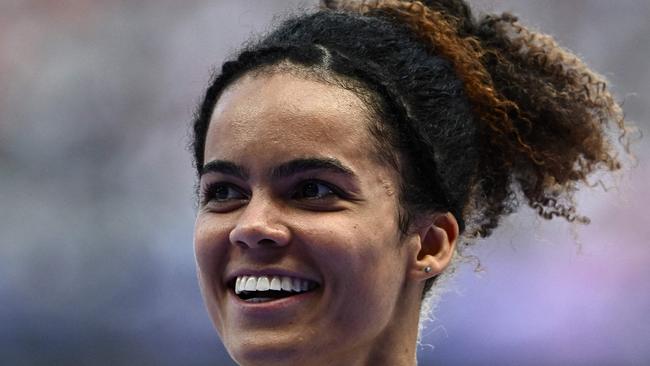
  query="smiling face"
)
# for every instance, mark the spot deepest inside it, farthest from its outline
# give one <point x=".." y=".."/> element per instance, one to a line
<point x="292" y="192"/>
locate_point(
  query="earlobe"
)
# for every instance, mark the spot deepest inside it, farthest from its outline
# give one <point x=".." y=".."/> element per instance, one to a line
<point x="437" y="245"/>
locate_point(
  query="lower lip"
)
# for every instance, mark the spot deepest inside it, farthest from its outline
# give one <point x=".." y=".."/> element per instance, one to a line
<point x="278" y="306"/>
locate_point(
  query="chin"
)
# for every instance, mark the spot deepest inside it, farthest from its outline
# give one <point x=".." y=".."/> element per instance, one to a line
<point x="271" y="349"/>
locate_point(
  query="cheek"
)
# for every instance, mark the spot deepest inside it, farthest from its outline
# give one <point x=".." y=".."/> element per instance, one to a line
<point x="210" y="245"/>
<point x="363" y="265"/>
<point x="367" y="256"/>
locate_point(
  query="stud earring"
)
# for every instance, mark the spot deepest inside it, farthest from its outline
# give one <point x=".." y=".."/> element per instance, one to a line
<point x="427" y="269"/>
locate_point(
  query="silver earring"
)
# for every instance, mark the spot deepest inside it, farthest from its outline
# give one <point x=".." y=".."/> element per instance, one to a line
<point x="427" y="269"/>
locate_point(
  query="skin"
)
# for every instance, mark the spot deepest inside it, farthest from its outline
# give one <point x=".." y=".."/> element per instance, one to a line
<point x="339" y="229"/>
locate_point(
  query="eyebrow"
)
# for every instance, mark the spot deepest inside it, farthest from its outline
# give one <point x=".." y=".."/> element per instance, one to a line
<point x="297" y="166"/>
<point x="225" y="167"/>
<point x="283" y="170"/>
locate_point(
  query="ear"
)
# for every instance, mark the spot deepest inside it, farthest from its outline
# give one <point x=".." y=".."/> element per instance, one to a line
<point x="437" y="242"/>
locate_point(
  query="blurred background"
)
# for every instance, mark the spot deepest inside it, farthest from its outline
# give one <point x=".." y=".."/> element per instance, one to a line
<point x="96" y="195"/>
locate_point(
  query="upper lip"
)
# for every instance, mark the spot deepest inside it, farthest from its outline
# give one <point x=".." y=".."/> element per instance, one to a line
<point x="230" y="277"/>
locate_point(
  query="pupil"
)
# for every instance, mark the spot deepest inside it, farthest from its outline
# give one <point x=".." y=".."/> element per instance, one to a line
<point x="221" y="192"/>
<point x="310" y="190"/>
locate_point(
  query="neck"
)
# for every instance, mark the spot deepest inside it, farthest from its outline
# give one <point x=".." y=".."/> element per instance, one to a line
<point x="396" y="345"/>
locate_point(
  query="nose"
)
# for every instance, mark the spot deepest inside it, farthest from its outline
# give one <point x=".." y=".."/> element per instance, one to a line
<point x="260" y="225"/>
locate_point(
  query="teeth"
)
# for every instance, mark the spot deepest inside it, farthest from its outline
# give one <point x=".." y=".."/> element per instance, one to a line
<point x="286" y="284"/>
<point x="240" y="284"/>
<point x="251" y="284"/>
<point x="275" y="283"/>
<point x="262" y="284"/>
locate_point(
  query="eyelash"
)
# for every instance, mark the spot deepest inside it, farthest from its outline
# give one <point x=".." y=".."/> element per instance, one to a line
<point x="335" y="191"/>
<point x="209" y="193"/>
<point x="211" y="190"/>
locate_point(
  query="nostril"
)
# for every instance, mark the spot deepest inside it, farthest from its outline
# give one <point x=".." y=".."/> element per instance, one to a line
<point x="266" y="242"/>
<point x="260" y="236"/>
<point x="261" y="242"/>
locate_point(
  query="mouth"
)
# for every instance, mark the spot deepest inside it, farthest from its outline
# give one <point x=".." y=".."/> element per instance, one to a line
<point x="259" y="289"/>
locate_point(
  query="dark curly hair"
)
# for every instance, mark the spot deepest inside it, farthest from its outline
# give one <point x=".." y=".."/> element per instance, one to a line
<point x="479" y="113"/>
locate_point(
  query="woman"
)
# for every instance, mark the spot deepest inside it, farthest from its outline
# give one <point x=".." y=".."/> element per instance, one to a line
<point x="346" y="158"/>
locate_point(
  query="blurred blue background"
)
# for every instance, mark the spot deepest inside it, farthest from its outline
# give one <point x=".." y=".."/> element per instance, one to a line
<point x="96" y="205"/>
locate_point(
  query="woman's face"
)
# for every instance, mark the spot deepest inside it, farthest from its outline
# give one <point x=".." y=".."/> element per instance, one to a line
<point x="294" y="198"/>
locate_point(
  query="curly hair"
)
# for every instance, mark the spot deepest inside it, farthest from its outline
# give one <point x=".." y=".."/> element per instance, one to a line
<point x="479" y="113"/>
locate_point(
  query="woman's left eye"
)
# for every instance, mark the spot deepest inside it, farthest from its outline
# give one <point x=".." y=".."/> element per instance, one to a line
<point x="311" y="190"/>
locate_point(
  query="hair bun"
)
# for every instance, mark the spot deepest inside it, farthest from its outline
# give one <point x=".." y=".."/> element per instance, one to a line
<point x="457" y="9"/>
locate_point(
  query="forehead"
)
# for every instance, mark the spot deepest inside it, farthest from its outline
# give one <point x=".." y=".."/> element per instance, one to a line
<point x="280" y="115"/>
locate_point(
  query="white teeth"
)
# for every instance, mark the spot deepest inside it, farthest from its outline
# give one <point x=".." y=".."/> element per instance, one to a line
<point x="251" y="283"/>
<point x="275" y="283"/>
<point x="286" y="284"/>
<point x="262" y="284"/>
<point x="242" y="283"/>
